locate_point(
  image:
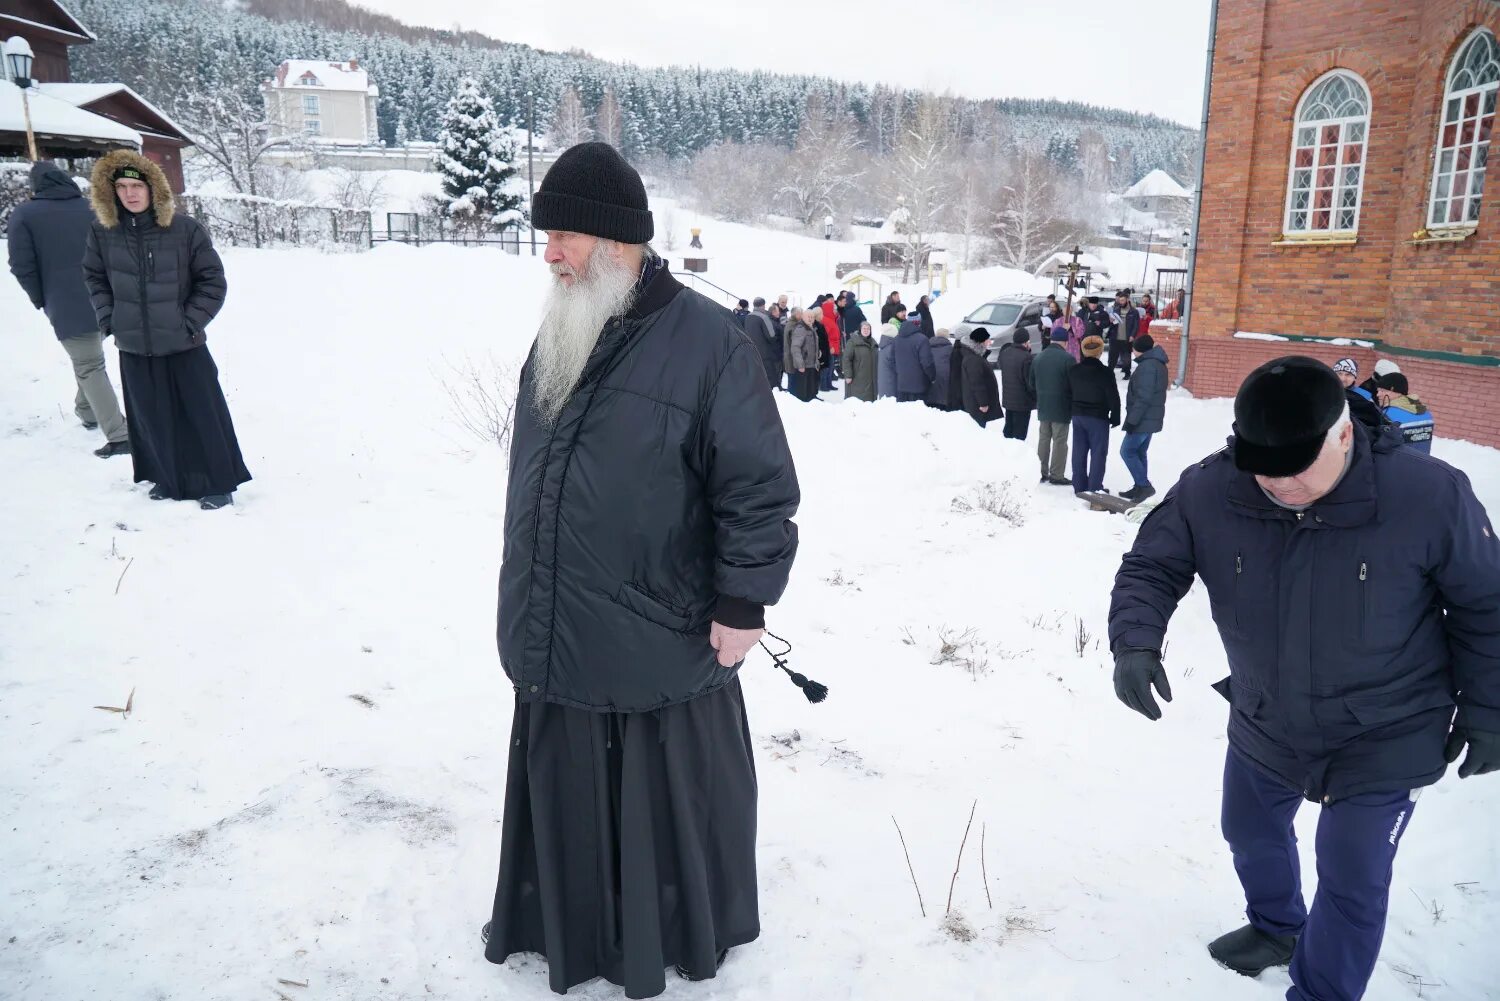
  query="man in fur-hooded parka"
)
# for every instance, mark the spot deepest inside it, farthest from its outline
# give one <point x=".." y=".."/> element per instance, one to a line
<point x="153" y="276"/>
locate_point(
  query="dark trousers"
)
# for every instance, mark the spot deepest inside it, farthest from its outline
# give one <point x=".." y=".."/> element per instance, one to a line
<point x="1357" y="841"/>
<point x="910" y="397"/>
<point x="1017" y="423"/>
<point x="1090" y="453"/>
<point x="1119" y="355"/>
<point x="803" y="385"/>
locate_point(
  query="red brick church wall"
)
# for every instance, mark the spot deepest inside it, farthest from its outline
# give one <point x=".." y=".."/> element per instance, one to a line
<point x="1435" y="297"/>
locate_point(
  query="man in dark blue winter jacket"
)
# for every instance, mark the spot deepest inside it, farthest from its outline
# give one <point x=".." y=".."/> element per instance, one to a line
<point x="47" y="236"/>
<point x="1356" y="587"/>
<point x="915" y="369"/>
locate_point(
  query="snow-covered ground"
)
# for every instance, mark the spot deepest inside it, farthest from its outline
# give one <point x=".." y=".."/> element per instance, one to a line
<point x="308" y="788"/>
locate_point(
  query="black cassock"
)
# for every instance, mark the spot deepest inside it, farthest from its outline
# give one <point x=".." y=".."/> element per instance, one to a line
<point x="181" y="436"/>
<point x="629" y="841"/>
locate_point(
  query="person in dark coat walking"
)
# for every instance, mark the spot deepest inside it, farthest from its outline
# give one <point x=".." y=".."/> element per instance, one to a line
<point x="767" y="340"/>
<point x="1145" y="413"/>
<point x="1356" y="588"/>
<point x="979" y="389"/>
<point x="1017" y="396"/>
<point x="647" y="525"/>
<point x="1125" y="327"/>
<point x="861" y="365"/>
<point x="912" y="355"/>
<point x="47" y="237"/>
<point x="1048" y="382"/>
<point x="924" y="313"/>
<point x="1095" y="397"/>
<point x="1096" y="320"/>
<point x="156" y="283"/>
<point x="940" y="394"/>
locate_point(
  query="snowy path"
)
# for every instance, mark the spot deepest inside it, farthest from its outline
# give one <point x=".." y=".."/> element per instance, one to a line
<point x="253" y="821"/>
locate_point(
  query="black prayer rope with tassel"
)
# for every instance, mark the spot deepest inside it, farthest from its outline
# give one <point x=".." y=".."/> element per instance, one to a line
<point x="815" y="692"/>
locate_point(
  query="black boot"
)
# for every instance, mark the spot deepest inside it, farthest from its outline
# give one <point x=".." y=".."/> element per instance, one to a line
<point x="484" y="933"/>
<point x="1250" y="952"/>
<point x="159" y="492"/>
<point x="686" y="974"/>
<point x="215" y="501"/>
<point x="1143" y="491"/>
<point x="112" y="449"/>
<point x="1060" y="482"/>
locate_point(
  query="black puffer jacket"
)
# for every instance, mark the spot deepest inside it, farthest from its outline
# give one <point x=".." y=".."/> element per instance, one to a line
<point x="661" y="500"/>
<point x="155" y="289"/>
<point x="47" y="237"/>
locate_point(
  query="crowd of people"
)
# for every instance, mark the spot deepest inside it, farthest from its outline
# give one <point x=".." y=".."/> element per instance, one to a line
<point x="1071" y="384"/>
<point x="806" y="350"/>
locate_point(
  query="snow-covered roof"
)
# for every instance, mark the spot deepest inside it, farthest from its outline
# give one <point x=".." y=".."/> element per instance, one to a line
<point x="1089" y="261"/>
<point x="314" y="73"/>
<point x="1157" y="184"/>
<point x="52" y="116"/>
<point x="80" y="94"/>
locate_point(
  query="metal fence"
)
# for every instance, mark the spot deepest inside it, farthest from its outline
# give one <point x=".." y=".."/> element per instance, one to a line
<point x="417" y="230"/>
<point x="241" y="221"/>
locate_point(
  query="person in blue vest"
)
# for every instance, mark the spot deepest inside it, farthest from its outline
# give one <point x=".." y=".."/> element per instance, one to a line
<point x="1406" y="411"/>
<point x="1356" y="588"/>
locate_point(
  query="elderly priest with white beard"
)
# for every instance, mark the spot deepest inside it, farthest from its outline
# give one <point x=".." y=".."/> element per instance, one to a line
<point x="647" y="526"/>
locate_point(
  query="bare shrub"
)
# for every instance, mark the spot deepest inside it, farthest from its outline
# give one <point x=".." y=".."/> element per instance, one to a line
<point x="482" y="398"/>
<point x="1005" y="501"/>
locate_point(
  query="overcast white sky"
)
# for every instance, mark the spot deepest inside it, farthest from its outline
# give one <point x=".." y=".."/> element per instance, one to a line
<point x="1144" y="55"/>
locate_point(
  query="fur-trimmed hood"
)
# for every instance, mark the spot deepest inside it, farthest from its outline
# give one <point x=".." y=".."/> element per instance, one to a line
<point x="102" y="188"/>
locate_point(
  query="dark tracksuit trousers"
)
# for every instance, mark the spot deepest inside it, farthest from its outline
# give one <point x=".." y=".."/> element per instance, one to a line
<point x="1339" y="939"/>
<point x="1119" y="355"/>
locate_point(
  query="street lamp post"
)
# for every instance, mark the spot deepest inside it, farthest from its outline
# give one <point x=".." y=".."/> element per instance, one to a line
<point x="530" y="172"/>
<point x="18" y="59"/>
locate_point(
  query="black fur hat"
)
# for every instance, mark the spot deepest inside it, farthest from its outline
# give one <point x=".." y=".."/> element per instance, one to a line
<point x="1282" y="415"/>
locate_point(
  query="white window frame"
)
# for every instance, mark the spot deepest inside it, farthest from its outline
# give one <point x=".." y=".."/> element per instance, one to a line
<point x="312" y="127"/>
<point x="1488" y="93"/>
<point x="312" y="104"/>
<point x="1340" y="186"/>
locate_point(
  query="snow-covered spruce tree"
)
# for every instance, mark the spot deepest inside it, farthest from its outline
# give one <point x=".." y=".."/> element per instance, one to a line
<point x="476" y="157"/>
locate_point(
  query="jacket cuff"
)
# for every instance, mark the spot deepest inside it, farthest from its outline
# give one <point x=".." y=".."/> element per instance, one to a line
<point x="1481" y="718"/>
<point x="737" y="613"/>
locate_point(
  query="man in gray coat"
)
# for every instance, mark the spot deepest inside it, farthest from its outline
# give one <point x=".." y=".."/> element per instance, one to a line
<point x="1145" y="412"/>
<point x="46" y="237"/>
<point x="1048" y="381"/>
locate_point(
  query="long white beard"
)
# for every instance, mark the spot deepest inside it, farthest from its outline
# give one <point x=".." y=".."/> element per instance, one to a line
<point x="572" y="320"/>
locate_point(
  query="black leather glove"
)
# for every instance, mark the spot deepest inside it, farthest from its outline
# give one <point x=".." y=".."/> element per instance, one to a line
<point x="1135" y="672"/>
<point x="1484" y="751"/>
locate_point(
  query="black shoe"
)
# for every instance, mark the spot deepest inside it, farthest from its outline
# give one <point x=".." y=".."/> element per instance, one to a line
<point x="1250" y="952"/>
<point x="1143" y="491"/>
<point x="159" y="492"/>
<point x="89" y="425"/>
<point x="1060" y="482"/>
<point x="688" y="975"/>
<point x="1045" y="478"/>
<point x="1130" y="494"/>
<point x="484" y="933"/>
<point x="215" y="501"/>
<point x="112" y="449"/>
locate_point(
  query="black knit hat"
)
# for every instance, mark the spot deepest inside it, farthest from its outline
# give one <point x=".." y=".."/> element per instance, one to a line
<point x="128" y="173"/>
<point x="1143" y="343"/>
<point x="1282" y="415"/>
<point x="979" y="335"/>
<point x="592" y="190"/>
